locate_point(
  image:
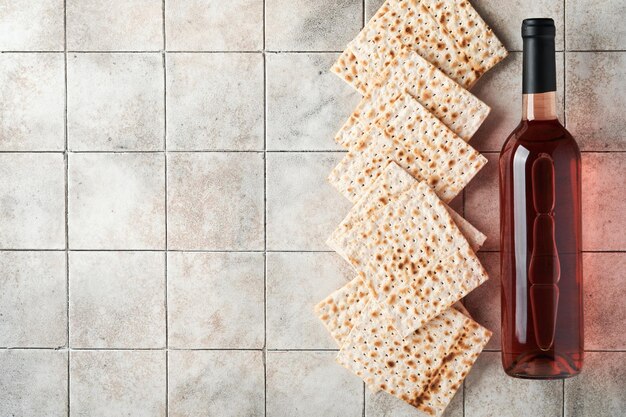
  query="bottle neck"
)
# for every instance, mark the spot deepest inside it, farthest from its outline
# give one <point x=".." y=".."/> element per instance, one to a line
<point x="539" y="72"/>
<point x="539" y="106"/>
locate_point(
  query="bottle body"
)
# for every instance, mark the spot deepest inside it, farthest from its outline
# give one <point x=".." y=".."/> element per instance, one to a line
<point x="541" y="257"/>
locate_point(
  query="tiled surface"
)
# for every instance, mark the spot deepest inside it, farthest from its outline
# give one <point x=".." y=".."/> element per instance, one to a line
<point x="302" y="207"/>
<point x="208" y="94"/>
<point x="594" y="113"/>
<point x="33" y="299"/>
<point x="489" y="392"/>
<point x="236" y="25"/>
<point x="311" y="384"/>
<point x="605" y="310"/>
<point x="31" y="26"/>
<point x="484" y="302"/>
<point x="216" y="383"/>
<point x="116" y="201"/>
<point x="32" y="93"/>
<point x="115" y="102"/>
<point x="215" y="201"/>
<point x="32" y="201"/>
<point x="120" y="25"/>
<point x="164" y="207"/>
<point x="600" y="390"/>
<point x="382" y="404"/>
<point x="482" y="203"/>
<point x="303" y="25"/>
<point x="595" y="26"/>
<point x="306" y="103"/>
<point x="296" y="282"/>
<point x="117" y="383"/>
<point x="33" y="383"/>
<point x="215" y="300"/>
<point x="117" y="299"/>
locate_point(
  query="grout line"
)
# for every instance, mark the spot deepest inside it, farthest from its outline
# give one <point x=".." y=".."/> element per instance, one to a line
<point x="364" y="388"/>
<point x="363" y="7"/>
<point x="257" y="151"/>
<point x="226" y="349"/>
<point x="67" y="242"/>
<point x="286" y="51"/>
<point x="564" y="63"/>
<point x="235" y="251"/>
<point x="166" y="283"/>
<point x="264" y="355"/>
<point x="563" y="398"/>
<point x="463" y="396"/>
<point x="115" y="151"/>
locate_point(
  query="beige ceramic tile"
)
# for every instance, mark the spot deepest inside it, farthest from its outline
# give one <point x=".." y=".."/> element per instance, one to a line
<point x="215" y="101"/>
<point x="505" y="18"/>
<point x="27" y="25"/>
<point x="215" y="300"/>
<point x="117" y="383"/>
<point x="33" y="297"/>
<point x="484" y="302"/>
<point x="32" y="201"/>
<point x="603" y="185"/>
<point x="120" y="25"/>
<point x="216" y="383"/>
<point x="215" y="201"/>
<point x="382" y="404"/>
<point x="115" y="102"/>
<point x="33" y="383"/>
<point x="32" y="102"/>
<point x="501" y="89"/>
<point x="371" y="6"/>
<point x="195" y="25"/>
<point x="117" y="201"/>
<point x="306" y="103"/>
<point x="302" y="208"/>
<point x="600" y="390"/>
<point x="490" y="392"/>
<point x="595" y="99"/>
<point x="605" y="311"/>
<point x="302" y="25"/>
<point x="482" y="203"/>
<point x="595" y="25"/>
<point x="296" y="282"/>
<point x="117" y="299"/>
<point x="311" y="384"/>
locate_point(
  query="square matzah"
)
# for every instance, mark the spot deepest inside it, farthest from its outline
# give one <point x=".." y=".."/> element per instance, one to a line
<point x="418" y="142"/>
<point x="414" y="258"/>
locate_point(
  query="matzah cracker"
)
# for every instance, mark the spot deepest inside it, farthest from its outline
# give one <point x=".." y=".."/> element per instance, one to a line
<point x="418" y="142"/>
<point x="470" y="31"/>
<point x="454" y="106"/>
<point x="408" y="23"/>
<point x="456" y="366"/>
<point x="414" y="258"/>
<point x="352" y="71"/>
<point x="403" y="366"/>
<point x="341" y="309"/>
<point x="392" y="182"/>
<point x="432" y="28"/>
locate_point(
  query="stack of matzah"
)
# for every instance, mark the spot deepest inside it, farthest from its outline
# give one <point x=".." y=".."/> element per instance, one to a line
<point x="399" y="323"/>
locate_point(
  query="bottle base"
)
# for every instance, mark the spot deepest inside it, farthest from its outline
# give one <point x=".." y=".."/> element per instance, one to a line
<point x="541" y="365"/>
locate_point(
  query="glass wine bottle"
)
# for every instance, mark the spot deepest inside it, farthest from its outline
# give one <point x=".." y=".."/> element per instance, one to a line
<point x="540" y="226"/>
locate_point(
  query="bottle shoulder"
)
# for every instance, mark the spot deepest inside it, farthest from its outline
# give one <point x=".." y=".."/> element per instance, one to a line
<point x="536" y="137"/>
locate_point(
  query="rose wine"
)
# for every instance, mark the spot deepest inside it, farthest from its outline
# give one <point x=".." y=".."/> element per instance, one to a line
<point x="540" y="226"/>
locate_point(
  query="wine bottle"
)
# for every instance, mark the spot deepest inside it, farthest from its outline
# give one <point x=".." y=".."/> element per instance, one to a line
<point x="540" y="226"/>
